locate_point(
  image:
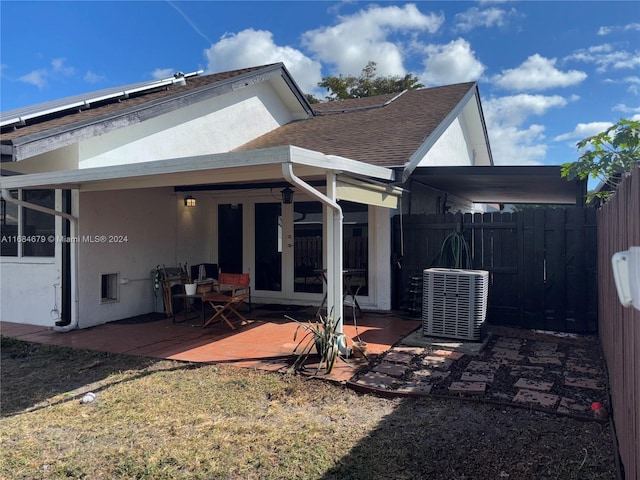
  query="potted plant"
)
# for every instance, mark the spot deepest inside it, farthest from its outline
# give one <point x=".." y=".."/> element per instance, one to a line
<point x="323" y="335"/>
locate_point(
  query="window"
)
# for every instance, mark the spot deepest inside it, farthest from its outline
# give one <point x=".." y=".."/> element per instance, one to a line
<point x="108" y="287"/>
<point x="27" y="232"/>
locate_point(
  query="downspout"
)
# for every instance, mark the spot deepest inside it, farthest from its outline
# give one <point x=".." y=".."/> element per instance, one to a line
<point x="73" y="221"/>
<point x="334" y="293"/>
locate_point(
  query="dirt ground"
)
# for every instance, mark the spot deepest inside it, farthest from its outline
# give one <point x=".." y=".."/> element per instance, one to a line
<point x="400" y="438"/>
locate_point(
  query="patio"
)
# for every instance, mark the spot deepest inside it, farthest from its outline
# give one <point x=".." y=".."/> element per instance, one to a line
<point x="265" y="342"/>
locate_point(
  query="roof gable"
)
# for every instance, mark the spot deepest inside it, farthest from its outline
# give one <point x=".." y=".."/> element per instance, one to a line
<point x="62" y="127"/>
<point x="385" y="130"/>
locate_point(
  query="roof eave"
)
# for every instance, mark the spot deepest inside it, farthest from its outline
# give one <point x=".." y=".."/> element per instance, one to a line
<point x="54" y="138"/>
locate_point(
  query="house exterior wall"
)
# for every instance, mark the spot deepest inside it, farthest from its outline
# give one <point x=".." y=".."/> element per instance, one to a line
<point x="27" y="293"/>
<point x="446" y="152"/>
<point x="65" y="158"/>
<point x="143" y="224"/>
<point x="216" y="125"/>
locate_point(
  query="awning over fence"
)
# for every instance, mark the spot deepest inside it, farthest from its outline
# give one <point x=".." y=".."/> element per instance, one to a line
<point x="505" y="184"/>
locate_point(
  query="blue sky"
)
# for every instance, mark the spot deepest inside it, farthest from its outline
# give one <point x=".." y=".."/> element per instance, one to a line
<point x="550" y="73"/>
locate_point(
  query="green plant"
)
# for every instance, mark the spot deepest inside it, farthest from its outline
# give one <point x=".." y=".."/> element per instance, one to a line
<point x="324" y="336"/>
<point x="608" y="156"/>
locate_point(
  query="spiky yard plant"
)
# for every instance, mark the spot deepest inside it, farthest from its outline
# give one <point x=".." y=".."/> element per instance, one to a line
<point x="324" y="336"/>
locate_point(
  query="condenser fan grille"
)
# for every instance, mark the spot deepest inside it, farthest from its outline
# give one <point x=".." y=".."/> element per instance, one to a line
<point x="454" y="302"/>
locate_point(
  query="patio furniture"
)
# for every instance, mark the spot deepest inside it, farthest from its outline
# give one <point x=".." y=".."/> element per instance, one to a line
<point x="190" y="305"/>
<point x="230" y="293"/>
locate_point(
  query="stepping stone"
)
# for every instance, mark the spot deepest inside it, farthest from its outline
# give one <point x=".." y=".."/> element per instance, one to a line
<point x="436" y="362"/>
<point x="477" y="366"/>
<point x="393" y="369"/>
<point x="426" y="374"/>
<point x="377" y="380"/>
<point x="398" y="357"/>
<point x="508" y="343"/>
<point x="531" y="396"/>
<point x="583" y="382"/>
<point x="526" y="371"/>
<point x="476" y="388"/>
<point x="569" y="405"/>
<point x="545" y="361"/>
<point x="476" y="377"/>
<point x="544" y="346"/>
<point x="506" y="351"/>
<point x="448" y="354"/>
<point x="419" y="388"/>
<point x="543" y="353"/>
<point x="533" y="384"/>
<point x="574" y="367"/>
<point x="508" y="355"/>
<point x="411" y="350"/>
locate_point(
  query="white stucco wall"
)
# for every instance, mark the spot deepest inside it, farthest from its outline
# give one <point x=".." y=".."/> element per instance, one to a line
<point x="148" y="220"/>
<point x="217" y="125"/>
<point x="451" y="149"/>
<point x="27" y="294"/>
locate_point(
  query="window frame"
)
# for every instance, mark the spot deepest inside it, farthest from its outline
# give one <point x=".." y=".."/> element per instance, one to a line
<point x="20" y="251"/>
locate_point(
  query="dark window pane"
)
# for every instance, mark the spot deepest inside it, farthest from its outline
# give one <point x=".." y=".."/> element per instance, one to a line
<point x="268" y="246"/>
<point x="38" y="226"/>
<point x="9" y="227"/>
<point x="356" y="246"/>
<point x="307" y="234"/>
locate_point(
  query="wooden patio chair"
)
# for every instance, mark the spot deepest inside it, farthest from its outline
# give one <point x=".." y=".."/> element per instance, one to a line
<point x="231" y="291"/>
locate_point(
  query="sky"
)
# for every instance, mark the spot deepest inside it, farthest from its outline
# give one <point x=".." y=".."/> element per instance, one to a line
<point x="550" y="73"/>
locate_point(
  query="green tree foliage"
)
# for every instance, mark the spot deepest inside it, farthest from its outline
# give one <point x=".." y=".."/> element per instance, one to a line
<point x="608" y="156"/>
<point x="367" y="84"/>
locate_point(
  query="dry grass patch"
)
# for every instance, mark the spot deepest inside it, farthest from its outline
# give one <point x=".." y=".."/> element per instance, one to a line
<point x="167" y="420"/>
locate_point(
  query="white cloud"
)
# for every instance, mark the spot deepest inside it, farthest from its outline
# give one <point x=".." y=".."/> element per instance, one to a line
<point x="514" y="146"/>
<point x="515" y="109"/>
<point x="606" y="30"/>
<point x="36" y="77"/>
<point x="92" y="77"/>
<point x="626" y="109"/>
<point x="162" y="73"/>
<point x="58" y="66"/>
<point x="370" y="34"/>
<point x="250" y="48"/>
<point x="454" y="62"/>
<point x="538" y="73"/>
<point x="475" y="17"/>
<point x="583" y="130"/>
<point x="605" y="57"/>
<point x="511" y="143"/>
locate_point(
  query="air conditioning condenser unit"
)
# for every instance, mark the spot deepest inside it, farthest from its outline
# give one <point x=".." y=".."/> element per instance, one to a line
<point x="454" y="303"/>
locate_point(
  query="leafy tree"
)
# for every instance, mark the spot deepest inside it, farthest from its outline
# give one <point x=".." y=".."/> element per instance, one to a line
<point x="367" y="84"/>
<point x="609" y="156"/>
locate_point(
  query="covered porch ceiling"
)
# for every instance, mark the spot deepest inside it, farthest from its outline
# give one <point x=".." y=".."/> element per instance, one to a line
<point x="539" y="184"/>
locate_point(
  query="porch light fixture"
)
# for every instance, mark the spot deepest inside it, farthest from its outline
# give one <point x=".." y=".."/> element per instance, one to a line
<point x="189" y="201"/>
<point x="287" y="195"/>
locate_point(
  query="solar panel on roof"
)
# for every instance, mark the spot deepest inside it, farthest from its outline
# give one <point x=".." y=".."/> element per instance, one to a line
<point x="20" y="115"/>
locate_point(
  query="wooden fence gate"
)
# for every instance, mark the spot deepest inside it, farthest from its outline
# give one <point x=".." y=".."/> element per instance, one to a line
<point x="542" y="264"/>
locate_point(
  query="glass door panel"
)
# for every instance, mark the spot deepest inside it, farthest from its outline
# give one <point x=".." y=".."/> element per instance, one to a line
<point x="356" y="247"/>
<point x="230" y="238"/>
<point x="268" y="241"/>
<point x="307" y="235"/>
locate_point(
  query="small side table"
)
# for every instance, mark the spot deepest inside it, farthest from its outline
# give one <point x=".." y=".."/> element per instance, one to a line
<point x="189" y="302"/>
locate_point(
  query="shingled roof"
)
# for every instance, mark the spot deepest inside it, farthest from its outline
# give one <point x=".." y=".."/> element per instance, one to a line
<point x="113" y="106"/>
<point x="385" y="130"/>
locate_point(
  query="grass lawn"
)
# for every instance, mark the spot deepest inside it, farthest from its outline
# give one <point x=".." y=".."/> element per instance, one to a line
<point x="165" y="420"/>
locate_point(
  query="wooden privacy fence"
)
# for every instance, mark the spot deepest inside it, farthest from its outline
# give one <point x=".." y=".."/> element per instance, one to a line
<point x="542" y="263"/>
<point x="619" y="327"/>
